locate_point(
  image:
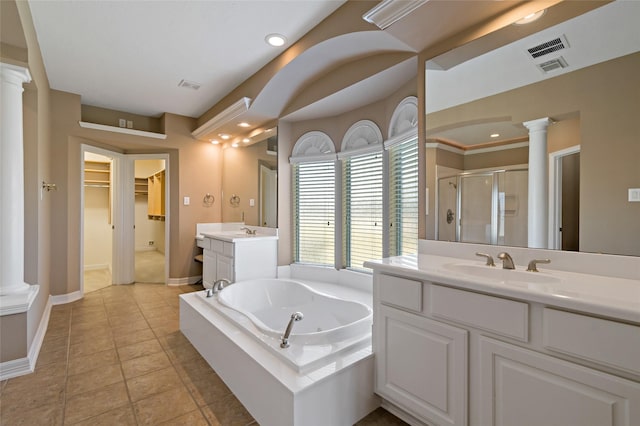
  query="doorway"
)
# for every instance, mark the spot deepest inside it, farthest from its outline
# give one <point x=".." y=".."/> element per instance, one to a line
<point x="98" y="181"/>
<point x="564" y="199"/>
<point x="150" y="217"/>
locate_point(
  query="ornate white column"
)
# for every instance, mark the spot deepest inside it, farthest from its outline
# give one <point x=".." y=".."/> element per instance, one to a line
<point x="538" y="216"/>
<point x="15" y="294"/>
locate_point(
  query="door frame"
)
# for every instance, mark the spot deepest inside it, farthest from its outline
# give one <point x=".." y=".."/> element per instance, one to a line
<point x="555" y="194"/>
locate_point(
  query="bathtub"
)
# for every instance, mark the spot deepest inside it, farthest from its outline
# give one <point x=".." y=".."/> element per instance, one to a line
<point x="263" y="307"/>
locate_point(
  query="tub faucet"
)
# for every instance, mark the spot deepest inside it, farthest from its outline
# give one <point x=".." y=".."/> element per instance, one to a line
<point x="296" y="316"/>
<point x="218" y="285"/>
<point x="507" y="261"/>
<point x="248" y="230"/>
<point x="488" y="257"/>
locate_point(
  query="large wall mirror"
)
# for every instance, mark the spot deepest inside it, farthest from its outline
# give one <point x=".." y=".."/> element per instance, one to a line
<point x="584" y="76"/>
<point x="250" y="180"/>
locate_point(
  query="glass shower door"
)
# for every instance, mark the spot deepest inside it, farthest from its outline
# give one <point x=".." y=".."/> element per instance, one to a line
<point x="477" y="207"/>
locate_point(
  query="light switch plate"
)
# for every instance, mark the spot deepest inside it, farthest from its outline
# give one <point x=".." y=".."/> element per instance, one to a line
<point x="634" y="195"/>
<point x="186" y="201"/>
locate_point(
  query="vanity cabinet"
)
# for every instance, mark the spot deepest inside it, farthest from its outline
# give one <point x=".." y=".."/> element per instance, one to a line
<point x="238" y="259"/>
<point x="453" y="356"/>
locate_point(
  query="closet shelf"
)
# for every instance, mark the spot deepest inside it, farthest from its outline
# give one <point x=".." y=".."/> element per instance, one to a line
<point x="124" y="130"/>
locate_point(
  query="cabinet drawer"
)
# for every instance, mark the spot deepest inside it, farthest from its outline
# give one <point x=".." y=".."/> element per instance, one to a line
<point x="594" y="339"/>
<point x="204" y="243"/>
<point x="501" y="316"/>
<point x="401" y="292"/>
<point x="217" y="246"/>
<point x="227" y="249"/>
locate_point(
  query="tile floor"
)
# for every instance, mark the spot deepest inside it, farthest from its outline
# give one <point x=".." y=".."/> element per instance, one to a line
<point x="117" y="357"/>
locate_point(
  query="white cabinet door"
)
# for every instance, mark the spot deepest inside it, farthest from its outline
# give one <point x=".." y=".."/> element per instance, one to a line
<point x="224" y="267"/>
<point x="208" y="268"/>
<point x="421" y="366"/>
<point x="526" y="388"/>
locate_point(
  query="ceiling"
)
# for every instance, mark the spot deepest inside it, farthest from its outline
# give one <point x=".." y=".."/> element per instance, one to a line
<point x="131" y="55"/>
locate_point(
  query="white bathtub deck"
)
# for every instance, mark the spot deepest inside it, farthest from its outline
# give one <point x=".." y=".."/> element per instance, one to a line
<point x="338" y="393"/>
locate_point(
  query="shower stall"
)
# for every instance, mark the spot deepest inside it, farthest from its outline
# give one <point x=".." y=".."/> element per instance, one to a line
<point x="484" y="207"/>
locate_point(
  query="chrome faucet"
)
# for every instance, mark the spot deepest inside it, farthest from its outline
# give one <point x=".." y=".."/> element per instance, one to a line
<point x="488" y="257"/>
<point x="296" y="316"/>
<point x="218" y="285"/>
<point x="507" y="261"/>
<point x="532" y="265"/>
<point x="248" y="230"/>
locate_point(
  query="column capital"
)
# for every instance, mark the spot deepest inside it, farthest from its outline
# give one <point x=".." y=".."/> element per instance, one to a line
<point x="538" y="124"/>
<point x="18" y="74"/>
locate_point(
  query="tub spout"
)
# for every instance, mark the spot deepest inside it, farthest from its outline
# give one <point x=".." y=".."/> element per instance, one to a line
<point x="296" y="316"/>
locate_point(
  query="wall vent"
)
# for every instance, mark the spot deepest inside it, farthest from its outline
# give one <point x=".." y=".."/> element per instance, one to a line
<point x="189" y="84"/>
<point x="547" y="47"/>
<point x="553" y="64"/>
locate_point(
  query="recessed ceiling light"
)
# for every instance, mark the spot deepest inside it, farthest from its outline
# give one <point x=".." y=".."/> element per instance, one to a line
<point x="275" y="40"/>
<point x="495" y="135"/>
<point x="215" y="141"/>
<point x="234" y="145"/>
<point x="246" y="140"/>
<point x="531" y="17"/>
<point x="224" y="136"/>
<point x="243" y="124"/>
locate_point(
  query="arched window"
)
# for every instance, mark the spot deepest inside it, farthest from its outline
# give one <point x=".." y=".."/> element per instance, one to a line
<point x="363" y="205"/>
<point x="314" y="195"/>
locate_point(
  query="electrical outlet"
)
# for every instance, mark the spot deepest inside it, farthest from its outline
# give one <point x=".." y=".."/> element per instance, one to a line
<point x="151" y="243"/>
<point x="634" y="195"/>
<point x="129" y="124"/>
<point x="122" y="122"/>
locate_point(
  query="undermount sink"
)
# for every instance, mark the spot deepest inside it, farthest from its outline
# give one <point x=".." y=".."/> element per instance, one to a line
<point x="501" y="275"/>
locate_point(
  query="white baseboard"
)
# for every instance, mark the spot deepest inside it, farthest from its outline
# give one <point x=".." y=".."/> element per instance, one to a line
<point x="146" y="248"/>
<point x="97" y="266"/>
<point x="66" y="298"/>
<point x="26" y="365"/>
<point x="184" y="280"/>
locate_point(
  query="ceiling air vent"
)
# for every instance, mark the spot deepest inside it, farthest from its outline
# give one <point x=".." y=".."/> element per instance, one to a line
<point x="547" y="47"/>
<point x="189" y="84"/>
<point x="553" y="64"/>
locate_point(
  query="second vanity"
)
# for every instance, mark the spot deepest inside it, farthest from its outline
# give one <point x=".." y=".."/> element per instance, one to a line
<point x="235" y="252"/>
<point x="461" y="343"/>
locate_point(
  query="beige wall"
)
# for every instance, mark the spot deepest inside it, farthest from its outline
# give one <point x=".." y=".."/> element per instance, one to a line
<point x="595" y="108"/>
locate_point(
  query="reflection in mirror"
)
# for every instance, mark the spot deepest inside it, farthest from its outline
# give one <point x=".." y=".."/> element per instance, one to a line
<point x="567" y="117"/>
<point x="250" y="172"/>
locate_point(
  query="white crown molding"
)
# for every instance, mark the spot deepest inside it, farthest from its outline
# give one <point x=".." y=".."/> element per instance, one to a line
<point x="124" y="130"/>
<point x="390" y="11"/>
<point x="239" y="107"/>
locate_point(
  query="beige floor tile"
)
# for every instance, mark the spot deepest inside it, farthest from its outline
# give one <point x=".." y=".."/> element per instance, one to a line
<point x="128" y="328"/>
<point x="50" y="356"/>
<point x="121" y="416"/>
<point x="47" y="414"/>
<point x="83" y="364"/>
<point x="194" y="418"/>
<point x="94" y="379"/>
<point x="84" y="335"/>
<point x="381" y="417"/>
<point x="228" y="411"/>
<point x="90" y="404"/>
<point x="168" y="327"/>
<point x="145" y="364"/>
<point x="26" y="395"/>
<point x="162" y="312"/>
<point x="136" y="336"/>
<point x="164" y="406"/>
<point x="159" y="381"/>
<point x="207" y="388"/>
<point x="124" y="319"/>
<point x="136" y="350"/>
<point x="173" y="340"/>
<point x="88" y="347"/>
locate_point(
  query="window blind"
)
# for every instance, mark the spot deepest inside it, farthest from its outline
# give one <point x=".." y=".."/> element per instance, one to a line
<point x="314" y="199"/>
<point x="363" y="208"/>
<point x="403" y="198"/>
